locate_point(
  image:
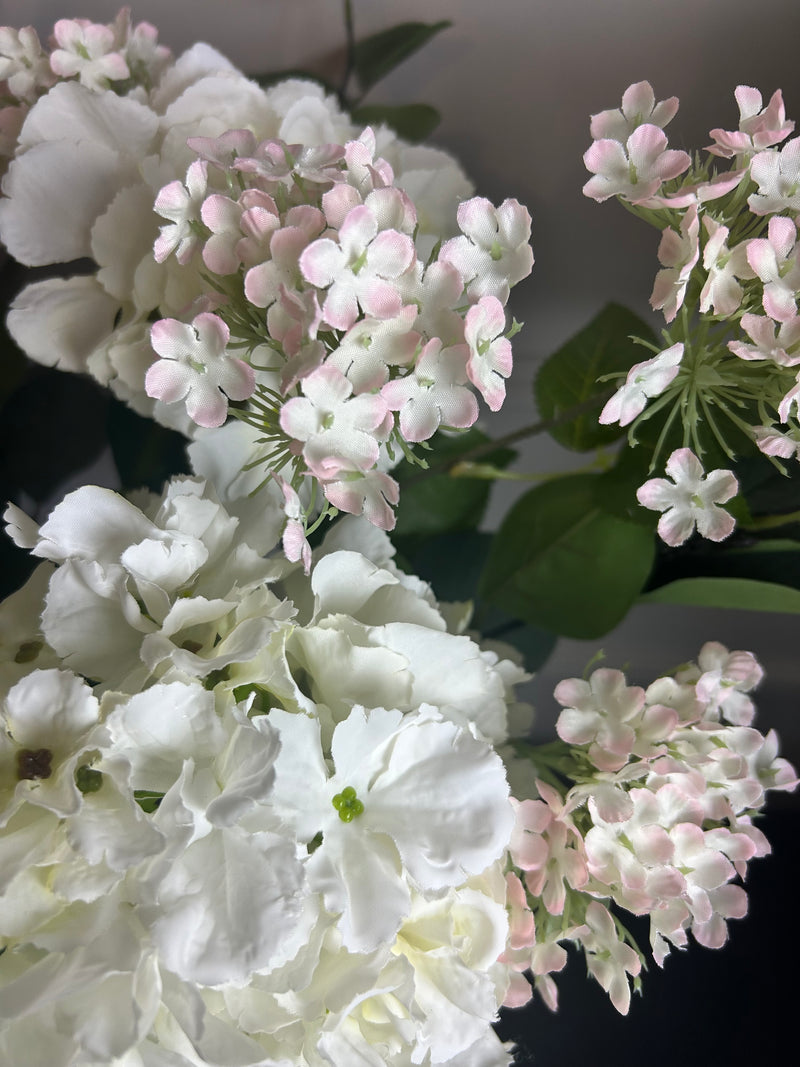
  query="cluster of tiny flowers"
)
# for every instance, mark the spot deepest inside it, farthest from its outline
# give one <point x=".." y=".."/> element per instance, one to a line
<point x="116" y="56"/>
<point x="648" y="807"/>
<point x="247" y="817"/>
<point x="354" y="335"/>
<point x="344" y="289"/>
<point x="728" y="286"/>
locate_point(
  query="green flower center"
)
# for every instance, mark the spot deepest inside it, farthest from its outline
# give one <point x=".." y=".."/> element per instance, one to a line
<point x="347" y="804"/>
<point x="88" y="780"/>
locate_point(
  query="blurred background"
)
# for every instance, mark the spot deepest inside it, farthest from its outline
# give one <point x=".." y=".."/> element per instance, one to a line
<point x="515" y="82"/>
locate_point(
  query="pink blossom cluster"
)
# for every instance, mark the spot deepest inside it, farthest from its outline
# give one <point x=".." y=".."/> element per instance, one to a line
<point x="649" y="807"/>
<point x="117" y="55"/>
<point x="354" y="334"/>
<point x="729" y="240"/>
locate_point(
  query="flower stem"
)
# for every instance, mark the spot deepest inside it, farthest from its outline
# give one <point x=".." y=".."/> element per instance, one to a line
<point x="486" y="447"/>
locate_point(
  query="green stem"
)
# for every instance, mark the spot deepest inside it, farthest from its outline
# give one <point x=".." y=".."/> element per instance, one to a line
<point x="770" y="522"/>
<point x="486" y="447"/>
<point x="350" y="38"/>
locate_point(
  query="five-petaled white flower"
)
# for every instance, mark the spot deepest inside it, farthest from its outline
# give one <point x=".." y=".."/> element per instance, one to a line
<point x="196" y="367"/>
<point x="690" y="500"/>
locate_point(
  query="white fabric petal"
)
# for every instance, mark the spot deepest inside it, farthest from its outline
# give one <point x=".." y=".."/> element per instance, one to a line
<point x="93" y="523"/>
<point x="225" y="906"/>
<point x="362" y="880"/>
<point x="61" y="321"/>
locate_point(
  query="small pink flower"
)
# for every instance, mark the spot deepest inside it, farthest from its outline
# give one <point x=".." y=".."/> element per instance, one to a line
<point x="779" y="343"/>
<point x="678" y="252"/>
<point x="181" y="204"/>
<point x="690" y="500"/>
<point x="598" y="713"/>
<point x="434" y="395"/>
<point x="359" y="269"/>
<point x="372" y="494"/>
<point x="88" y="50"/>
<point x="777" y="174"/>
<point x="638" y="107"/>
<point x="494" y="252"/>
<point x="295" y="543"/>
<point x="339" y="431"/>
<point x="774" y="443"/>
<point x="724" y="265"/>
<point x="758" y="128"/>
<point x="196" y="367"/>
<point x="635" y="170"/>
<point x="490" y="360"/>
<point x="776" y="261"/>
<point x="645" y="380"/>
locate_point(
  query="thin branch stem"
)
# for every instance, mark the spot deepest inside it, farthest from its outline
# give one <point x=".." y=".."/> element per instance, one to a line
<point x="350" y="39"/>
<point x="486" y="447"/>
<point x="771" y="522"/>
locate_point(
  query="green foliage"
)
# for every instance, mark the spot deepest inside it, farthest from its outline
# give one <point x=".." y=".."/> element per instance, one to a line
<point x="743" y="593"/>
<point x="767" y="491"/>
<point x="378" y="55"/>
<point x="772" y="561"/>
<point x="414" y="122"/>
<point x="452" y="563"/>
<point x="147" y="800"/>
<point x="566" y="561"/>
<point x="570" y="376"/>
<point x="433" y="503"/>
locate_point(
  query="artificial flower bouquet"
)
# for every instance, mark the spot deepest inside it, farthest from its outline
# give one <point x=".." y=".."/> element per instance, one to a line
<point x="266" y="799"/>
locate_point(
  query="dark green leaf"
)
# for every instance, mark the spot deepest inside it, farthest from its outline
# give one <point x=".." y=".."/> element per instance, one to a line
<point x="534" y="643"/>
<point x="378" y="55"/>
<point x="452" y="563"/>
<point x="743" y="593"/>
<point x="775" y="562"/>
<point x="145" y="453"/>
<point x="564" y="562"/>
<point x="569" y="376"/>
<point x="768" y="492"/>
<point x="414" y="122"/>
<point x="147" y="800"/>
<point x="433" y="503"/>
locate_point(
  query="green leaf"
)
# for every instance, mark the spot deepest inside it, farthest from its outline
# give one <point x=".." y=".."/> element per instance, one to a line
<point x="569" y="376"/>
<point x="432" y="503"/>
<point x="414" y="122"/>
<point x="145" y="453"/>
<point x="744" y="593"/>
<point x="376" y="56"/>
<point x="564" y="562"/>
<point x="774" y="562"/>
<point x="147" y="800"/>
<point x="766" y="490"/>
<point x="452" y="563"/>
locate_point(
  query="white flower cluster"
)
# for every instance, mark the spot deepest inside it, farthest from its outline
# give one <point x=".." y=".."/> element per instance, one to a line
<point x="729" y="247"/>
<point x="336" y="281"/>
<point x="246" y="817"/>
<point x="647" y="806"/>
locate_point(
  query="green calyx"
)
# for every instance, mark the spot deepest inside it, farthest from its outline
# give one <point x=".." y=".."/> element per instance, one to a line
<point x="88" y="780"/>
<point x="347" y="804"/>
<point x="28" y="651"/>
